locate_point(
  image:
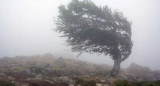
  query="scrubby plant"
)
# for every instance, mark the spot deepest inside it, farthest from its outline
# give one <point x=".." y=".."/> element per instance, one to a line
<point x="4" y="83"/>
<point x="78" y="81"/>
<point x="90" y="83"/>
<point x="140" y="83"/>
<point x="36" y="69"/>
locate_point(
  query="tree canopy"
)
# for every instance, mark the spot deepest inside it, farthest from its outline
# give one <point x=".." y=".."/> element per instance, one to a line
<point x="94" y="29"/>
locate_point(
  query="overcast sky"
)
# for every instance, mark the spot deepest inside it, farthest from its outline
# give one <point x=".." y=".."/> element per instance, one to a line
<point x="26" y="29"/>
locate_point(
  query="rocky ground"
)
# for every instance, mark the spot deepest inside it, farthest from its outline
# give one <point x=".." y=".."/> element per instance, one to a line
<point x="47" y="70"/>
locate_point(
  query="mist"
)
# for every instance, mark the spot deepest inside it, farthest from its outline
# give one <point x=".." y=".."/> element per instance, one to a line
<point x="26" y="28"/>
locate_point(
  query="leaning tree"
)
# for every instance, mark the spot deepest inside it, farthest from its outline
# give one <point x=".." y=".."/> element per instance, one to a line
<point x="94" y="29"/>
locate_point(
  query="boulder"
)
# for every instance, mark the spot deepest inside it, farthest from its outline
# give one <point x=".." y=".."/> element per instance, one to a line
<point x="60" y="62"/>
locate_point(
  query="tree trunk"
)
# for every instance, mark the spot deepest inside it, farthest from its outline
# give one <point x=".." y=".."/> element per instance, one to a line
<point x="116" y="68"/>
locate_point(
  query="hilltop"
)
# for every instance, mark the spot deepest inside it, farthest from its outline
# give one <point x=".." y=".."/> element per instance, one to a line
<point x="47" y="70"/>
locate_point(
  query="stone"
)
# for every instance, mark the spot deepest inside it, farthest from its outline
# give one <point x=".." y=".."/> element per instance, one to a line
<point x="25" y="72"/>
<point x="71" y="85"/>
<point x="65" y="79"/>
<point x="98" y="84"/>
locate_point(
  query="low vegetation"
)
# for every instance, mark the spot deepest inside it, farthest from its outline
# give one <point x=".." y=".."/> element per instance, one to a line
<point x="140" y="83"/>
<point x="3" y="83"/>
<point x="48" y="70"/>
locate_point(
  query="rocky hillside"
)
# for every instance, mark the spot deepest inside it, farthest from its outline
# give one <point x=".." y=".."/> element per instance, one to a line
<point x="47" y="70"/>
<point x="25" y="69"/>
<point x="136" y="72"/>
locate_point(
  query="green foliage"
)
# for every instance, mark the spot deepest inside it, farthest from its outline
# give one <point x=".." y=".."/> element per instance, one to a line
<point x="82" y="82"/>
<point x="3" y="83"/>
<point x="94" y="29"/>
<point x="122" y="83"/>
<point x="90" y="83"/>
<point x="36" y="69"/>
<point x="79" y="81"/>
<point x="141" y="83"/>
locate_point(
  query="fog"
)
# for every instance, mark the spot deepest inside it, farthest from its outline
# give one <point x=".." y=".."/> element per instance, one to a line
<point x="26" y="28"/>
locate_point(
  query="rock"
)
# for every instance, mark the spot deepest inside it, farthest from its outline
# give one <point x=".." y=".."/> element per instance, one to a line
<point x="135" y="68"/>
<point x="25" y="72"/>
<point x="2" y="75"/>
<point x="132" y="78"/>
<point x="122" y="77"/>
<point x="98" y="84"/>
<point x="60" y="62"/>
<point x="12" y="79"/>
<point x="48" y="71"/>
<point x="105" y="85"/>
<point x="66" y="80"/>
<point x="139" y="73"/>
<point x="111" y="80"/>
<point x="71" y="85"/>
<point x="102" y="80"/>
<point x="156" y="73"/>
<point x="24" y="85"/>
<point x="85" y="76"/>
<point x="78" y="85"/>
<point x="28" y="79"/>
<point x="38" y="77"/>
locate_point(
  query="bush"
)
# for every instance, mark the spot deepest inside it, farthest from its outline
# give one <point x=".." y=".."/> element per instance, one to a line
<point x="141" y="83"/>
<point x="121" y="83"/>
<point x="79" y="81"/>
<point x="82" y="82"/>
<point x="36" y="69"/>
<point x="3" y="83"/>
<point x="90" y="83"/>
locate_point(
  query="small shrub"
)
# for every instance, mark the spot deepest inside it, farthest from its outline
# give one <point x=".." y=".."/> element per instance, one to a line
<point x="79" y="81"/>
<point x="36" y="69"/>
<point x="121" y="83"/>
<point x="3" y="83"/>
<point x="90" y="83"/>
<point x="140" y="83"/>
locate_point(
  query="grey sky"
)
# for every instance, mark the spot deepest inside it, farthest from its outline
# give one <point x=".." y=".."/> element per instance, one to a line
<point x="26" y="29"/>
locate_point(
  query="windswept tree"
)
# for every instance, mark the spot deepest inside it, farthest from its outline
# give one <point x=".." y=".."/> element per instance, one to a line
<point x="94" y="29"/>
